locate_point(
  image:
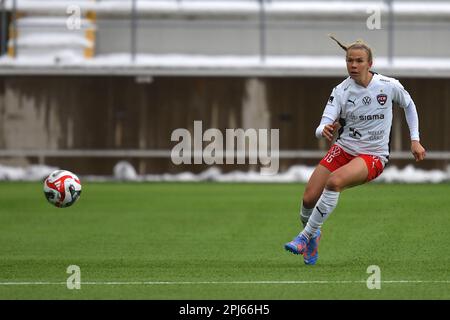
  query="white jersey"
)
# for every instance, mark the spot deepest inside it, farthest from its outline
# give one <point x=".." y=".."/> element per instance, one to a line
<point x="365" y="114"/>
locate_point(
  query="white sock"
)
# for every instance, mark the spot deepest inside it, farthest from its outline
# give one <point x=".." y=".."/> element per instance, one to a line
<point x="305" y="213"/>
<point x="326" y="204"/>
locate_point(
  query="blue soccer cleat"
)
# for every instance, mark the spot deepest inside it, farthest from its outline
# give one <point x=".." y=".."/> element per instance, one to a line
<point x="311" y="254"/>
<point x="298" y="245"/>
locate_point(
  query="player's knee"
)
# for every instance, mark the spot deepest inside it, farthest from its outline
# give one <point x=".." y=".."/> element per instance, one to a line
<point x="335" y="183"/>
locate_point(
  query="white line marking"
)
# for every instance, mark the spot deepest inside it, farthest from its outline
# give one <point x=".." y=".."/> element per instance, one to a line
<point x="129" y="283"/>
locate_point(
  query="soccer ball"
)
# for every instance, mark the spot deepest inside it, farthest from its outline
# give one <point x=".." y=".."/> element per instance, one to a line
<point x="62" y="188"/>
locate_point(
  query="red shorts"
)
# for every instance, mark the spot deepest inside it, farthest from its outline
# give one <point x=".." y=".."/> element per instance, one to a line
<point x="337" y="157"/>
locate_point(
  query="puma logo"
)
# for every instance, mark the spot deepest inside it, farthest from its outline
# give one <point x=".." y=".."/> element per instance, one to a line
<point x="323" y="214"/>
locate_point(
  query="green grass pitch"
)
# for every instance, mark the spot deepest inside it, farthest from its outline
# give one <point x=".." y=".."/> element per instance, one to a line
<point x="222" y="241"/>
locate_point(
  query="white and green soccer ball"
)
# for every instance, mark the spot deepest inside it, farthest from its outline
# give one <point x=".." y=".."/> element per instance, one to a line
<point x="62" y="188"/>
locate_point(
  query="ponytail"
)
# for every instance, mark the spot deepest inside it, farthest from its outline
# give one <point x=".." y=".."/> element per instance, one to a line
<point x="338" y="42"/>
<point x="358" y="44"/>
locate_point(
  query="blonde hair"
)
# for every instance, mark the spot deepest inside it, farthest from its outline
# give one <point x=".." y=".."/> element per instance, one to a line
<point x="358" y="44"/>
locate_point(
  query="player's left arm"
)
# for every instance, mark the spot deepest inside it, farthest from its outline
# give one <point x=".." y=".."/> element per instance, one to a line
<point x="417" y="150"/>
<point x="402" y="97"/>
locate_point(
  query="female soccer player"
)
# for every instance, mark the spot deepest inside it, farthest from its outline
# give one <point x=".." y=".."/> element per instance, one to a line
<point x="362" y="105"/>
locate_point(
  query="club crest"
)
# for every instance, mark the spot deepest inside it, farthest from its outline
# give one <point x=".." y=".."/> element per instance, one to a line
<point x="382" y="98"/>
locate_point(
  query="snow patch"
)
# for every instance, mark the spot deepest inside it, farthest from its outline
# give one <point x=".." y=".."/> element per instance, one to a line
<point x="124" y="171"/>
<point x="30" y="173"/>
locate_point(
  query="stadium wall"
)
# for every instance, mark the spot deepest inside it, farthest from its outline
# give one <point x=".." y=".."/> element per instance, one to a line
<point x="99" y="112"/>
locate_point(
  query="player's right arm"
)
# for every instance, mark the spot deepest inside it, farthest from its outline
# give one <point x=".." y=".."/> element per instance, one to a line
<point x="329" y="130"/>
<point x="328" y="123"/>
